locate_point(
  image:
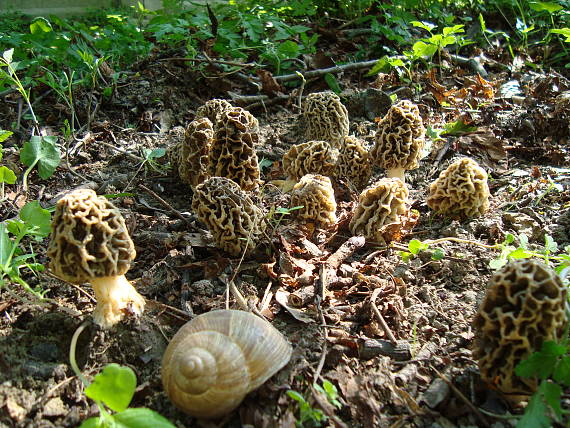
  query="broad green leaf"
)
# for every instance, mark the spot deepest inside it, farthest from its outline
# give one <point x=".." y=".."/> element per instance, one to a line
<point x="540" y="6"/>
<point x="296" y="396"/>
<point x="43" y="152"/>
<point x="7" y="55"/>
<point x="428" y="26"/>
<point x="510" y="238"/>
<point x="288" y="49"/>
<point x="115" y="386"/>
<point x="563" y="31"/>
<point x="519" y="253"/>
<point x="541" y="363"/>
<point x="40" y="26"/>
<point x="151" y="154"/>
<point x="382" y="66"/>
<point x="141" y="418"/>
<point x="396" y="62"/>
<point x="550" y="244"/>
<point x="91" y="423"/>
<point x="5" y="244"/>
<point x="438" y="254"/>
<point x="33" y="214"/>
<point x="453" y="30"/>
<point x="4" y="135"/>
<point x="562" y="370"/>
<point x="535" y="414"/>
<point x="552" y="392"/>
<point x="423" y="49"/>
<point x="333" y="83"/>
<point x="457" y="128"/>
<point x="7" y="175"/>
<point x="497" y="263"/>
<point x="415" y="246"/>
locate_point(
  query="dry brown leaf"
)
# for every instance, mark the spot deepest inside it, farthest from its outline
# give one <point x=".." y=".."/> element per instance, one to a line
<point x="282" y="298"/>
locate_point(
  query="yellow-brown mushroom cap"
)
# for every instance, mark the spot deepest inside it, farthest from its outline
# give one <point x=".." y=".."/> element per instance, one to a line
<point x="312" y="157"/>
<point x="315" y="194"/>
<point x="326" y="118"/>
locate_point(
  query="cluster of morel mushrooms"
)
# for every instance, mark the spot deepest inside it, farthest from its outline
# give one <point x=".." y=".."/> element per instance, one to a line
<point x="218" y="357"/>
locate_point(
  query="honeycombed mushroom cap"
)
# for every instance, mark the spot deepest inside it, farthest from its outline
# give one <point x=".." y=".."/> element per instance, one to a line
<point x="194" y="153"/>
<point x="461" y="190"/>
<point x="353" y="163"/>
<point x="312" y="157"/>
<point x="525" y="305"/>
<point x="212" y="109"/>
<point x="234" y="220"/>
<point x="380" y="204"/>
<point x="326" y="118"/>
<point x="232" y="154"/>
<point x="316" y="195"/>
<point x="89" y="238"/>
<point x="400" y="137"/>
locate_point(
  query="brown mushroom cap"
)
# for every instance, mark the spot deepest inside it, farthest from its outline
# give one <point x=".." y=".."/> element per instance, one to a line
<point x="326" y="118"/>
<point x="353" y="164"/>
<point x="316" y="195"/>
<point x="400" y="138"/>
<point x="525" y="306"/>
<point x="232" y="154"/>
<point x="461" y="190"/>
<point x="212" y="109"/>
<point x="379" y="205"/>
<point x="236" y="223"/>
<point x="89" y="238"/>
<point x="312" y="157"/>
<point x="194" y="152"/>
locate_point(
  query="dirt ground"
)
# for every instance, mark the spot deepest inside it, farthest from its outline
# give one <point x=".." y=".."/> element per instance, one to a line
<point x="430" y="380"/>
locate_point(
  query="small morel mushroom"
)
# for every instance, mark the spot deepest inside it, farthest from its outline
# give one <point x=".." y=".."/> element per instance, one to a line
<point x="232" y="154"/>
<point x="461" y="190"/>
<point x="400" y="140"/>
<point x="316" y="195"/>
<point x="326" y="118"/>
<point x="236" y="223"/>
<point x="353" y="164"/>
<point x="89" y="242"/>
<point x="525" y="305"/>
<point x="190" y="156"/>
<point x="379" y="205"/>
<point x="312" y="157"/>
<point x="212" y="110"/>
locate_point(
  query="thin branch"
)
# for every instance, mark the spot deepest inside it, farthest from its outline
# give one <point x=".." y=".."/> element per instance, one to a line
<point x="381" y="319"/>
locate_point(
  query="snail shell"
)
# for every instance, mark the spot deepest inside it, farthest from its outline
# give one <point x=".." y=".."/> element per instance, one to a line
<point x="217" y="358"/>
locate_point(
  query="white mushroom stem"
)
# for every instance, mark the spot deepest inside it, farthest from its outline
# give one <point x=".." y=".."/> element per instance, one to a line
<point x="115" y="297"/>
<point x="396" y="173"/>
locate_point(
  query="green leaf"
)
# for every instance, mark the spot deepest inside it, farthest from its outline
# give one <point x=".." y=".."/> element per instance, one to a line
<point x="497" y="263"/>
<point x="5" y="244"/>
<point x="4" y="135"/>
<point x="438" y="254"/>
<point x="382" y="66"/>
<point x="453" y="30"/>
<point x="562" y="370"/>
<point x="141" y="418"/>
<point x="7" y="175"/>
<point x="92" y="423"/>
<point x="288" y="49"/>
<point x="415" y="246"/>
<point x="296" y="396"/>
<point x="151" y="154"/>
<point x="42" y="151"/>
<point x="457" y="128"/>
<point x="40" y="26"/>
<point x="423" y="49"/>
<point x="550" y="244"/>
<point x="552" y="392"/>
<point x="333" y="83"/>
<point x="7" y="55"/>
<point x="519" y="253"/>
<point x="563" y="31"/>
<point x="115" y="386"/>
<point x="428" y="26"/>
<point x="540" y="6"/>
<point x="535" y="414"/>
<point x="541" y="363"/>
<point x="509" y="239"/>
<point x="482" y="23"/>
<point x="33" y="214"/>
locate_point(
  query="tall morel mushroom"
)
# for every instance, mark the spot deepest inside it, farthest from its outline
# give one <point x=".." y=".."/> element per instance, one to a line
<point x="379" y="205"/>
<point x="232" y="154"/>
<point x="461" y="190"/>
<point x="525" y="305"/>
<point x="400" y="140"/>
<point x="316" y="196"/>
<point x="212" y="109"/>
<point x="312" y="157"/>
<point x="353" y="164"/>
<point x="89" y="242"/>
<point x="326" y="118"/>
<point x="236" y="223"/>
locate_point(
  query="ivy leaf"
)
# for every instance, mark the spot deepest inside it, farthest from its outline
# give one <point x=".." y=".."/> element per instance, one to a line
<point x="7" y="175"/>
<point x="115" y="386"/>
<point x="535" y="414"/>
<point x="43" y="152"/>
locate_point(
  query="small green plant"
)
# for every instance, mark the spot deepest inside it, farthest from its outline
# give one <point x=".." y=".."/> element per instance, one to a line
<point x="414" y="248"/>
<point x="330" y="391"/>
<point x="277" y="214"/>
<point x="7" y="176"/>
<point x="43" y="152"/>
<point x="33" y="222"/>
<point x="426" y="48"/>
<point x="309" y="416"/>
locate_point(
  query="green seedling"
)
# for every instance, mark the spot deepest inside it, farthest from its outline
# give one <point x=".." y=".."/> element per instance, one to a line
<point x="277" y="214"/>
<point x="33" y="222"/>
<point x="7" y="176"/>
<point x="43" y="152"/>
<point x="330" y="391"/>
<point x="308" y="416"/>
<point x="150" y="156"/>
<point x="414" y="248"/>
<point x="426" y="48"/>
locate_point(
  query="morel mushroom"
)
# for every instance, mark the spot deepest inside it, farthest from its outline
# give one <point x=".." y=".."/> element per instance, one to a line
<point x="461" y="190"/>
<point x="236" y="223"/>
<point x="89" y="242"/>
<point x="232" y="154"/>
<point x="379" y="205"/>
<point x="353" y="164"/>
<point x="316" y="195"/>
<point x="212" y="110"/>
<point x="326" y="118"/>
<point x="525" y="305"/>
<point x="312" y="157"/>
<point x="400" y="140"/>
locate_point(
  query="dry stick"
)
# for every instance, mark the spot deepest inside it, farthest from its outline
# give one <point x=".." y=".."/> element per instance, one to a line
<point x="462" y="397"/>
<point x="165" y="204"/>
<point x="123" y="151"/>
<point x="381" y="319"/>
<point x="329" y="267"/>
<point x="323" y="71"/>
<point x="325" y="336"/>
<point x="213" y="61"/>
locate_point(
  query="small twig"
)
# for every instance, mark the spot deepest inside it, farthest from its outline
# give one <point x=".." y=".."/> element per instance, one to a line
<point x="462" y="397"/>
<point x="325" y="337"/>
<point x="323" y="71"/>
<point x="380" y="318"/>
<point x="165" y="204"/>
<point x="213" y="61"/>
<point x="345" y="251"/>
<point x="123" y="151"/>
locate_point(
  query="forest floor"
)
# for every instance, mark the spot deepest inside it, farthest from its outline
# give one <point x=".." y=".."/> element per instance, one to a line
<point x="520" y="138"/>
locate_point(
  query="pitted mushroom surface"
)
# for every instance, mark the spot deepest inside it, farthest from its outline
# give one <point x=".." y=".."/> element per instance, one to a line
<point x="312" y="157"/>
<point x="400" y="139"/>
<point x="379" y="205"/>
<point x="89" y="242"/>
<point x="525" y="305"/>
<point x="212" y="109"/>
<point x="232" y="154"/>
<point x="236" y="223"/>
<point x="461" y="190"/>
<point x="353" y="165"/>
<point x="326" y="118"/>
<point x="316" y="195"/>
